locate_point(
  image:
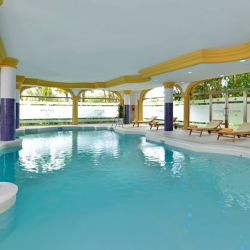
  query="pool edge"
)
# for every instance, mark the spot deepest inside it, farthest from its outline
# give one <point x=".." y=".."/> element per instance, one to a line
<point x="192" y="146"/>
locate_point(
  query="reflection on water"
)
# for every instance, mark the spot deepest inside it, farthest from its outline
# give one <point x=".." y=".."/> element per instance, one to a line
<point x="231" y="180"/>
<point x="106" y="143"/>
<point x="234" y="184"/>
<point x="168" y="159"/>
<point x="177" y="164"/>
<point x="44" y="153"/>
<point x="153" y="153"/>
<point x="41" y="154"/>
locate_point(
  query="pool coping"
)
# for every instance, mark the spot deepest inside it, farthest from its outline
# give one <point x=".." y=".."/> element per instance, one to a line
<point x="10" y="144"/>
<point x="150" y="135"/>
<point x="153" y="136"/>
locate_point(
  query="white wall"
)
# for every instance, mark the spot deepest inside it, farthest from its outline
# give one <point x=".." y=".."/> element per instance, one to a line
<point x="200" y="113"/>
<point x="149" y="111"/>
<point x="97" y="110"/>
<point x="45" y="111"/>
<point x="64" y="110"/>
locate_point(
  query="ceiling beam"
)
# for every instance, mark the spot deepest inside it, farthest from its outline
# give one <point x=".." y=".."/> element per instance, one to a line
<point x="82" y="85"/>
<point x="202" y="56"/>
<point x="126" y="79"/>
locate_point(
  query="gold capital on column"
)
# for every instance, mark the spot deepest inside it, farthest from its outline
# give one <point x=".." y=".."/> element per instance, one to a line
<point x="168" y="85"/>
<point x="127" y="92"/>
<point x="9" y="62"/>
<point x="18" y="85"/>
<point x="19" y="81"/>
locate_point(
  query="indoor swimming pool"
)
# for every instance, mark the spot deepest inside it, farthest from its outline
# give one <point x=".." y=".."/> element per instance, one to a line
<point x="102" y="190"/>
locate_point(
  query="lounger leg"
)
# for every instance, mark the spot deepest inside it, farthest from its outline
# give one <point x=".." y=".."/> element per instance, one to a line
<point x="234" y="138"/>
<point x="218" y="137"/>
<point x="201" y="133"/>
<point x="190" y="132"/>
<point x="157" y="127"/>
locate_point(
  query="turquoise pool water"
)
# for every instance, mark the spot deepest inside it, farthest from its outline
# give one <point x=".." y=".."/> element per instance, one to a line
<point x="98" y="190"/>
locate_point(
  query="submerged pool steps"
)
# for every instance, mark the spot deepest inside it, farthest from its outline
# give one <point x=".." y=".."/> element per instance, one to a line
<point x="8" y="193"/>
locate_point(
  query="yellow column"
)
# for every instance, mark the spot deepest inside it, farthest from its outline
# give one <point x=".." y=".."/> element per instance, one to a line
<point x="139" y="110"/>
<point x="75" y="110"/>
<point x="140" y="104"/>
<point x="186" y="110"/>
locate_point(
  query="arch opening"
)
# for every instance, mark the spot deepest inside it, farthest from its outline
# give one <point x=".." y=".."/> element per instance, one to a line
<point x="153" y="103"/>
<point x="45" y="106"/>
<point x="226" y="98"/>
<point x="97" y="106"/>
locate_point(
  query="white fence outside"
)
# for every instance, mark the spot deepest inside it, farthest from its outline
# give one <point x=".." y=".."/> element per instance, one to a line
<point x="158" y="110"/>
<point x="199" y="110"/>
<point x="97" y="110"/>
<point x="52" y="110"/>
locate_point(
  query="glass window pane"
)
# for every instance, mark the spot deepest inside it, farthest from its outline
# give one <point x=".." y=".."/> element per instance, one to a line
<point x="236" y="107"/>
<point x="44" y="105"/>
<point x="199" y="109"/>
<point x="97" y="109"/>
<point x="153" y="107"/>
<point x="218" y="107"/>
<point x="179" y="109"/>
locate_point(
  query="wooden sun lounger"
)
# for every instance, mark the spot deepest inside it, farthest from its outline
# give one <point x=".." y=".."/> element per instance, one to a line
<point x="157" y="124"/>
<point x="138" y="122"/>
<point x="242" y="131"/>
<point x="213" y="126"/>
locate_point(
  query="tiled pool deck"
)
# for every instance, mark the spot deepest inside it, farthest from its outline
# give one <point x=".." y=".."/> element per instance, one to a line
<point x="177" y="138"/>
<point x="206" y="143"/>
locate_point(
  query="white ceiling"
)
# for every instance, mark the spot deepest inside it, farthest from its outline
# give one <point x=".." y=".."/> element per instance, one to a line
<point x="91" y="40"/>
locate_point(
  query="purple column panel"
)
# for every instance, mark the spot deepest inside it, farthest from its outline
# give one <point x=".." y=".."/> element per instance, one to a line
<point x="126" y="114"/>
<point x="168" y="117"/>
<point x="17" y="114"/>
<point x="8" y="119"/>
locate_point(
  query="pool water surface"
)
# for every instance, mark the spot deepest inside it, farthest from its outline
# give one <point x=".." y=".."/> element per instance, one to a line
<point x="99" y="190"/>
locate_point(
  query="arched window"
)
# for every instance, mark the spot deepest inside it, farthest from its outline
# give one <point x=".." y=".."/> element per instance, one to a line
<point x="224" y="98"/>
<point x="153" y="103"/>
<point x="45" y="105"/>
<point x="97" y="105"/>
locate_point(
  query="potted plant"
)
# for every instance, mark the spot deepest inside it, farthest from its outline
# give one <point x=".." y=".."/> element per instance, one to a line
<point x="120" y="111"/>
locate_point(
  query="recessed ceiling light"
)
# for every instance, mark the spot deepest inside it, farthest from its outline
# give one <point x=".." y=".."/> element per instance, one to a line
<point x="183" y="82"/>
<point x="190" y="72"/>
<point x="155" y="80"/>
<point x="243" y="60"/>
<point x="221" y="75"/>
